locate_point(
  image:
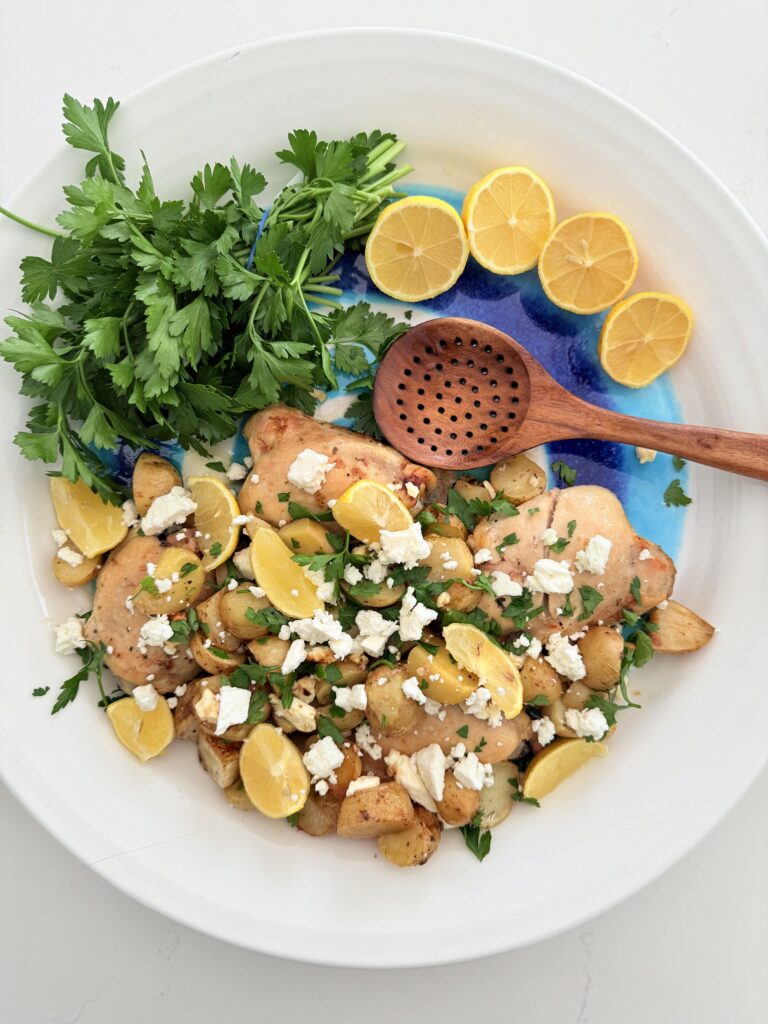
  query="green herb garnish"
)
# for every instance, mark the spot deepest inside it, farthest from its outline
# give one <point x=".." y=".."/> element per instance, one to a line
<point x="477" y="842"/>
<point x="590" y="598"/>
<point x="566" y="474"/>
<point x="675" y="496"/>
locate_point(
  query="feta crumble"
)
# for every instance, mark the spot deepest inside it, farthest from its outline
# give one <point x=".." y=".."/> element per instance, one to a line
<point x="503" y="585"/>
<point x="308" y="470"/>
<point x="590" y="722"/>
<point x="550" y="577"/>
<point x="644" y="555"/>
<point x="130" y="513"/>
<point x="234" y="702"/>
<point x="482" y="556"/>
<point x="544" y="729"/>
<point x="70" y="556"/>
<point x="411" y="489"/>
<point x="350" y="698"/>
<point x="236" y="472"/>
<point x="242" y="560"/>
<point x="352" y="574"/>
<point x="594" y="557"/>
<point x="414" y="616"/>
<point x="297" y="653"/>
<point x="413" y="691"/>
<point x="364" y="782"/>
<point x="69" y="636"/>
<point x="367" y="744"/>
<point x="322" y="759"/>
<point x="549" y="537"/>
<point x="430" y="764"/>
<point x="407" y="774"/>
<point x="404" y="547"/>
<point x="471" y="773"/>
<point x="145" y="697"/>
<point x="565" y="657"/>
<point x="59" y="537"/>
<point x="168" y="510"/>
<point x="154" y="633"/>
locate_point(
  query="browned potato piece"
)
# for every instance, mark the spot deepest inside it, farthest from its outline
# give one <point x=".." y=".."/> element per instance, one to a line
<point x="76" y="575"/>
<point x="680" y="631"/>
<point x="375" y="812"/>
<point x="353" y="670"/>
<point x="220" y="759"/>
<point x="207" y="711"/>
<point x="306" y="537"/>
<point x="388" y="707"/>
<point x="383" y="596"/>
<point x="576" y="696"/>
<point x="446" y="525"/>
<point x="458" y="806"/>
<point x="450" y="558"/>
<point x="234" y="605"/>
<point x="185" y="721"/>
<point x="211" y="617"/>
<point x="348" y="770"/>
<point x="350" y="719"/>
<point x="268" y="650"/>
<point x="414" y="845"/>
<point x="185" y="571"/>
<point x="519" y="479"/>
<point x="152" y="476"/>
<point x="469" y="487"/>
<point x="236" y="796"/>
<point x="493" y="608"/>
<point x="209" y="660"/>
<point x="601" y="651"/>
<point x="497" y="801"/>
<point x="539" y="677"/>
<point x="319" y="814"/>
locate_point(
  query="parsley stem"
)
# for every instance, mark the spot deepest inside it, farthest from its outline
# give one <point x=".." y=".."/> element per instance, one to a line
<point x="322" y="289"/>
<point x="28" y="224"/>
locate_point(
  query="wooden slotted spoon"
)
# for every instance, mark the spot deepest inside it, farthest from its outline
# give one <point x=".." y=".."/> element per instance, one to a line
<point x="458" y="394"/>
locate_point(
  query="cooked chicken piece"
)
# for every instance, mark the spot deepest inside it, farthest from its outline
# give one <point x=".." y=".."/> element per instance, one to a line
<point x="500" y="743"/>
<point x="117" y="627"/>
<point x="594" y="511"/>
<point x="278" y="434"/>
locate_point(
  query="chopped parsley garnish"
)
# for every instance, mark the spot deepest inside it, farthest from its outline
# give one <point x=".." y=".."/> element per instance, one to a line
<point x="571" y="527"/>
<point x="463" y="731"/>
<point x="268" y="618"/>
<point x="477" y="842"/>
<point x="560" y="545"/>
<point x="429" y="648"/>
<point x="511" y="538"/>
<point x="476" y="617"/>
<point x="219" y="652"/>
<point x="217" y="467"/>
<point x="283" y="495"/>
<point x="565" y="472"/>
<point x="675" y="496"/>
<point x="258" y="508"/>
<point x="567" y="608"/>
<point x="40" y="691"/>
<point x="186" y="569"/>
<point x="92" y="658"/>
<point x="520" y="609"/>
<point x="677" y="463"/>
<point x="293" y="819"/>
<point x="539" y="701"/>
<point x="634" y="589"/>
<point x="215" y="549"/>
<point x="517" y="794"/>
<point x="533" y="511"/>
<point x="297" y="511"/>
<point x="483" y="743"/>
<point x="590" y="598"/>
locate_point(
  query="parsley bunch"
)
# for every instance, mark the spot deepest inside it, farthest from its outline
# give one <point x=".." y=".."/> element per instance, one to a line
<point x="156" y="320"/>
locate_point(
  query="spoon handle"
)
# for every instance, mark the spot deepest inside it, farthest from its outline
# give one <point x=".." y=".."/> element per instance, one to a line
<point x="735" y="452"/>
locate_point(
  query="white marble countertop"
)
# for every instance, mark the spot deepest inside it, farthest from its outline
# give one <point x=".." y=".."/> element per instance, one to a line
<point x="689" y="947"/>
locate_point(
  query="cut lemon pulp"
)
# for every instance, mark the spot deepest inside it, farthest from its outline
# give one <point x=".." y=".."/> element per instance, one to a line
<point x="588" y="263"/>
<point x="417" y="249"/>
<point x="287" y="586"/>
<point x="92" y="525"/>
<point x="274" y="776"/>
<point x="496" y="670"/>
<point x="366" y="508"/>
<point x="643" y="336"/>
<point x="216" y="508"/>
<point x="557" y="762"/>
<point x="509" y="214"/>
<point x="145" y="733"/>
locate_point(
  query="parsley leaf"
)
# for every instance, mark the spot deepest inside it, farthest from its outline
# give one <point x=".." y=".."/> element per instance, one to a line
<point x="539" y="701"/>
<point x="675" y="496"/>
<point x="590" y="599"/>
<point x="566" y="474"/>
<point x="92" y="657"/>
<point x="634" y="588"/>
<point x="520" y="609"/>
<point x="463" y="731"/>
<point x="327" y="727"/>
<point x="517" y="794"/>
<point x="477" y="842"/>
<point x="511" y="538"/>
<point x="297" y="511"/>
<point x="40" y="691"/>
<point x="677" y="463"/>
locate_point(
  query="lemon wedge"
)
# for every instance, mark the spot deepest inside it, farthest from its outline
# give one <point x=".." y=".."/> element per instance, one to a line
<point x="643" y="336"/>
<point x="274" y="776"/>
<point x="92" y="525"/>
<point x="286" y="584"/>
<point x="145" y="733"/>
<point x="476" y="652"/>
<point x="366" y="508"/>
<point x="557" y="762"/>
<point x="216" y="508"/>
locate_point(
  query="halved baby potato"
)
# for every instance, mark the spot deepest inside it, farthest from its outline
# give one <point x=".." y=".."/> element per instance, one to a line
<point x="214" y="659"/>
<point x="375" y="812"/>
<point x="680" y="631"/>
<point x="388" y="707"/>
<point x="459" y="804"/>
<point x="153" y="476"/>
<point x="382" y="597"/>
<point x="212" y="625"/>
<point x="601" y="651"/>
<point x="497" y="801"/>
<point x="305" y="537"/>
<point x="540" y="680"/>
<point x="76" y="575"/>
<point x="234" y="606"/>
<point x="415" y="844"/>
<point x="185" y="571"/>
<point x="519" y="479"/>
<point x="470" y="488"/>
<point x="451" y="559"/>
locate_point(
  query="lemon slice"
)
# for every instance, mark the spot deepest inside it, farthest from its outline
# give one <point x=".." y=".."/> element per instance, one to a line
<point x="366" y="508"/>
<point x="145" y="733"/>
<point x="643" y="336"/>
<point x="557" y="762"/>
<point x="477" y="653"/>
<point x="417" y="249"/>
<point x="92" y="525"/>
<point x="274" y="776"/>
<point x="286" y="584"/>
<point x="588" y="263"/>
<point x="509" y="214"/>
<point x="216" y="508"/>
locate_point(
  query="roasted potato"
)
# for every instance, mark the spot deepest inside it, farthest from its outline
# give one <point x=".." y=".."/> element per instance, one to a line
<point x="210" y="614"/>
<point x="353" y="671"/>
<point x="350" y="719"/>
<point x="450" y="558"/>
<point x="185" y="721"/>
<point x="77" y="575"/>
<point x="459" y="805"/>
<point x="576" y="696"/>
<point x="319" y="814"/>
<point x="680" y="631"/>
<point x="306" y="537"/>
<point x="234" y="606"/>
<point x="446" y="525"/>
<point x="268" y="650"/>
<point x="152" y="477"/>
<point x="214" y="659"/>
<point x="375" y="812"/>
<point x="539" y="678"/>
<point x="470" y="487"/>
<point x="236" y="796"/>
<point x="220" y="759"/>
<point x="184" y="570"/>
<point x="414" y="845"/>
<point x="388" y="707"/>
<point x="601" y="651"/>
<point x="349" y="769"/>
<point x="382" y="597"/>
<point x="453" y="684"/>
<point x="519" y="479"/>
<point x="494" y="609"/>
<point x="496" y="801"/>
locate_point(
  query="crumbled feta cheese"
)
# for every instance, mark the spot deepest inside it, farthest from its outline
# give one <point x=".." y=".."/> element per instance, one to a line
<point x="590" y="722"/>
<point x="594" y="557"/>
<point x="130" y="513"/>
<point x="404" y="547"/>
<point x="645" y="454"/>
<point x="255" y="478"/>
<point x="352" y="574"/>
<point x="171" y="702"/>
<point x="234" y="702"/>
<point x="434" y="708"/>
<point x="294" y="592"/>
<point x="154" y="633"/>
<point x="364" y="782"/>
<point x="644" y="555"/>
<point x="168" y="510"/>
<point x="413" y="691"/>
<point x="477" y="701"/>
<point x="163" y="586"/>
<point x="544" y="729"/>
<point x="376" y="571"/>
<point x="350" y="698"/>
<point x="407" y="774"/>
<point x="471" y="773"/>
<point x="248" y="462"/>
<point x="430" y="764"/>
<point x="241" y="520"/>
<point x="69" y="636"/>
<point x="145" y="697"/>
<point x="323" y="758"/>
<point x="450" y="564"/>
<point x="321" y="787"/>
<point x="414" y="616"/>
<point x="308" y="470"/>
<point x="300" y="715"/>
<point x="258" y="592"/>
<point x="297" y="653"/>
<point x="321" y="628"/>
<point x="550" y="577"/>
<point x="662" y="605"/>
<point x="70" y="556"/>
<point x="503" y="585"/>
<point x="374" y="630"/>
<point x="180" y="690"/>
<point x="565" y="657"/>
<point x="482" y="556"/>
<point x="237" y="472"/>
<point x="59" y="537"/>
<point x="367" y="744"/>
<point x="411" y="489"/>
<point x="549" y="537"/>
<point x="207" y="707"/>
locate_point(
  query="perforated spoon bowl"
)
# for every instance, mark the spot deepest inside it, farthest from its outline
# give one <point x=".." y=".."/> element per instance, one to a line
<point x="458" y="394"/>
